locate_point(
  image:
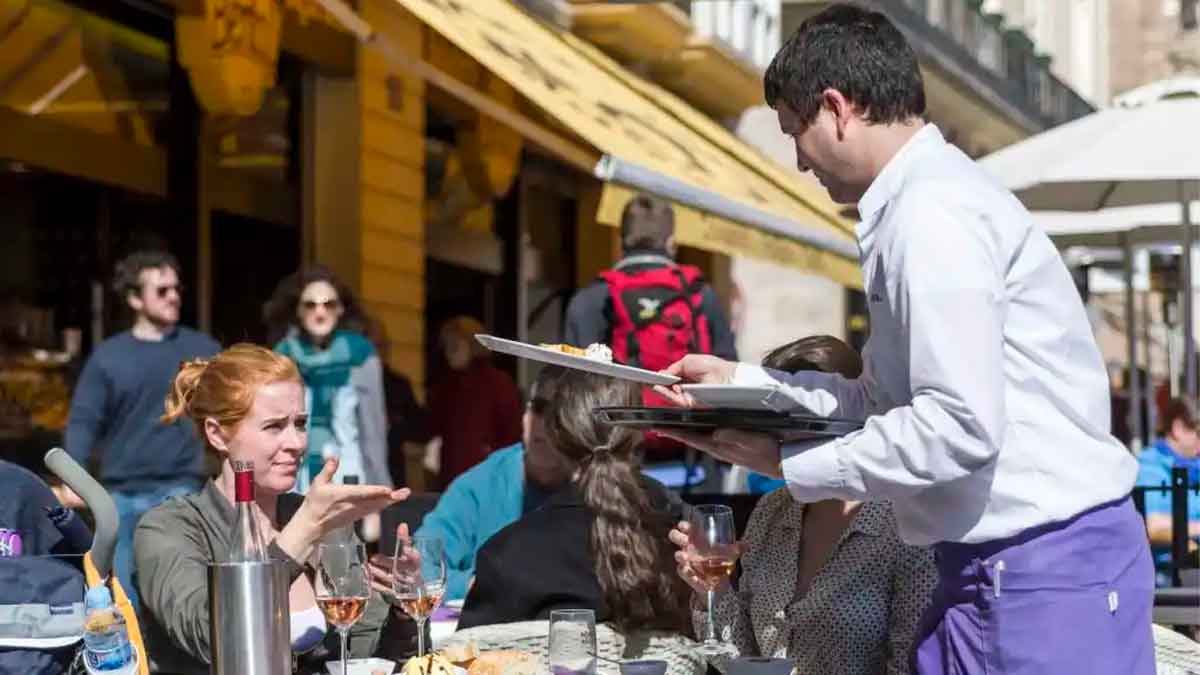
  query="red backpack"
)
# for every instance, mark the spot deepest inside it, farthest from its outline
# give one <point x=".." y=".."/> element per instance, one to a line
<point x="657" y="318"/>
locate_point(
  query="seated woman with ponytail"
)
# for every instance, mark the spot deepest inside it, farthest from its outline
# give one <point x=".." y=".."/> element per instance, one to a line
<point x="247" y="404"/>
<point x="599" y="543"/>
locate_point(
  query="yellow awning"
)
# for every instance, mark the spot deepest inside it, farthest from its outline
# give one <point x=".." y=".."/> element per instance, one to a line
<point x="631" y="119"/>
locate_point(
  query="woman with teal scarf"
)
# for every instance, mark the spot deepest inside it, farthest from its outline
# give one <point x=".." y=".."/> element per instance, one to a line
<point x="317" y="323"/>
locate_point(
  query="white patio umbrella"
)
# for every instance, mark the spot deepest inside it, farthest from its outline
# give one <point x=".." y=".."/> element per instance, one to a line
<point x="1144" y="150"/>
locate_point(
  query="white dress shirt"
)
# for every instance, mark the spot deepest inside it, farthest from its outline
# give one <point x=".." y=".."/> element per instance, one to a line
<point x="985" y="399"/>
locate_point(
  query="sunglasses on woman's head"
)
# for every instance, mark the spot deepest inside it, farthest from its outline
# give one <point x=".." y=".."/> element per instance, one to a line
<point x="330" y="304"/>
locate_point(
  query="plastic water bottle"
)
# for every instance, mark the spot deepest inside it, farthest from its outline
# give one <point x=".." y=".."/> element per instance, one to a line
<point x="105" y="638"/>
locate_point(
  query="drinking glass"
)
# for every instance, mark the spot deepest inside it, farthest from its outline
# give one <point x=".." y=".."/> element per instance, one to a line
<point x="419" y="579"/>
<point x="715" y="539"/>
<point x="572" y="642"/>
<point x="342" y="587"/>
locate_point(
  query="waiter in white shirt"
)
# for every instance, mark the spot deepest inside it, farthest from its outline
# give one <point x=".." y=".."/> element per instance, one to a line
<point x="985" y="399"/>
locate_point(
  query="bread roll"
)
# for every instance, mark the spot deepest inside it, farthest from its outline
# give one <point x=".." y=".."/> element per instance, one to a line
<point x="462" y="654"/>
<point x="430" y="664"/>
<point x="505" y="663"/>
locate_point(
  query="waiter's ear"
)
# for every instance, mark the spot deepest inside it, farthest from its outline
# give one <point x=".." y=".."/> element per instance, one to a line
<point x="840" y="107"/>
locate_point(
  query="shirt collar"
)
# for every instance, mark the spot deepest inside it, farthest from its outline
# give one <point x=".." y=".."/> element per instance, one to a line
<point x="871" y="519"/>
<point x="888" y="182"/>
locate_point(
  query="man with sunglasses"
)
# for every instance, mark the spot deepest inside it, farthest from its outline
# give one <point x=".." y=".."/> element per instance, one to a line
<point x="115" y="411"/>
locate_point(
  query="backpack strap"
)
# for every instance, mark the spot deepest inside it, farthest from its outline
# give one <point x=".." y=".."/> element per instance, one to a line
<point x="687" y="297"/>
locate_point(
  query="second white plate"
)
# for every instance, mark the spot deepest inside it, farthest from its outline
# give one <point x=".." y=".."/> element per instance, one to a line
<point x="736" y="397"/>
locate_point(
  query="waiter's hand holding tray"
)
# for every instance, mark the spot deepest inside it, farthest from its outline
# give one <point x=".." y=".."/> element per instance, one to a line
<point x="770" y="410"/>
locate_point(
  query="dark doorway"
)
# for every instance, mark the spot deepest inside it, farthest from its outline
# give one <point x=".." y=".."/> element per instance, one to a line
<point x="249" y="258"/>
<point x="450" y="291"/>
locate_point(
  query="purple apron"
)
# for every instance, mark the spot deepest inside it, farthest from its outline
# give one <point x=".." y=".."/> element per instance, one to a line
<point x="1070" y="597"/>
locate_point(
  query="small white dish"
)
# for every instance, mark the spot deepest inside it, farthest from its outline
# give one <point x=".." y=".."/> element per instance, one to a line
<point x="735" y="397"/>
<point x="372" y="666"/>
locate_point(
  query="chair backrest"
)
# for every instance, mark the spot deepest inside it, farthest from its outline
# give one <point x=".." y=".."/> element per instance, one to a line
<point x="411" y="511"/>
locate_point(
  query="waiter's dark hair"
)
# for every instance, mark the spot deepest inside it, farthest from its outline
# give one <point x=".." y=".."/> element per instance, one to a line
<point x="634" y="559"/>
<point x="858" y="52"/>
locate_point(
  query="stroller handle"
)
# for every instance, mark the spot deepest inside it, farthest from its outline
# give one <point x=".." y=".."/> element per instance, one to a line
<point x="101" y="504"/>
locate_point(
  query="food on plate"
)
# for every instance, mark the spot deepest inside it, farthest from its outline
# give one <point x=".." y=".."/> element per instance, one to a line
<point x="461" y="654"/>
<point x="599" y="352"/>
<point x="565" y="349"/>
<point x="505" y="663"/>
<point x="594" y="351"/>
<point x="430" y="664"/>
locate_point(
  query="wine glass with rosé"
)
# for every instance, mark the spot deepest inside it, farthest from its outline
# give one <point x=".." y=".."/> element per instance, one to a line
<point x="419" y="579"/>
<point x="714" y="537"/>
<point x="342" y="587"/>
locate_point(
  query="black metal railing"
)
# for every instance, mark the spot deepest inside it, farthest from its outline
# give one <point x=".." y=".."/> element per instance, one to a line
<point x="1180" y="493"/>
<point x="1007" y="54"/>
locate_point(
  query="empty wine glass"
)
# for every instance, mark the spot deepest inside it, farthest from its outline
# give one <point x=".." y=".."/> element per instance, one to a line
<point x="342" y="587"/>
<point x="715" y="539"/>
<point x="419" y="579"/>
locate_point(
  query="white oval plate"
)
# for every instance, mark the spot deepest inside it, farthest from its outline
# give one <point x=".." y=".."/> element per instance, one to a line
<point x="555" y="357"/>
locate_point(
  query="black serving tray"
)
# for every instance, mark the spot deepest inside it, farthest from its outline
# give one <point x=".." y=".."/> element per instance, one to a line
<point x="785" y="426"/>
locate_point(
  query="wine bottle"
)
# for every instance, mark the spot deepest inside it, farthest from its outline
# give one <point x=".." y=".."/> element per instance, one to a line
<point x="248" y="543"/>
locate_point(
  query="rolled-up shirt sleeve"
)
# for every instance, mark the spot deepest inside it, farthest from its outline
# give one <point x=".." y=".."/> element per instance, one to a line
<point x="944" y="284"/>
<point x="824" y="394"/>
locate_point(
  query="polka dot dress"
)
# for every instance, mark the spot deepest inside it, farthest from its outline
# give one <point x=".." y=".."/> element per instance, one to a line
<point x="861" y="610"/>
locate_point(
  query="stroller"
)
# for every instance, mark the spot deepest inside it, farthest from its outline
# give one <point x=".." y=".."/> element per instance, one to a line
<point x="42" y="594"/>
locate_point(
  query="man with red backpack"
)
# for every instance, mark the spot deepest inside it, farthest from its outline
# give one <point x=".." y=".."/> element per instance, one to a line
<point x="648" y="309"/>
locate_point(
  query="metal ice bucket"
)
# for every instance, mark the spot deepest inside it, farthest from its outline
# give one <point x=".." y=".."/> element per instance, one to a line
<point x="248" y="618"/>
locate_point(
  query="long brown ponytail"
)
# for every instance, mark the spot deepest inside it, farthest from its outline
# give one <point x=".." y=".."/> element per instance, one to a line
<point x="633" y="557"/>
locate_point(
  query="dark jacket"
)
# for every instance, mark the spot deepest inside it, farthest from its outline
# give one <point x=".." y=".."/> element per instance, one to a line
<point x="544" y="562"/>
<point x="590" y="314"/>
<point x="173" y="545"/>
<point x="116" y="408"/>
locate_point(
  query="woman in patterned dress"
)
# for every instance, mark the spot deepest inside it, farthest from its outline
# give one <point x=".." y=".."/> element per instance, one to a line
<point x="829" y="585"/>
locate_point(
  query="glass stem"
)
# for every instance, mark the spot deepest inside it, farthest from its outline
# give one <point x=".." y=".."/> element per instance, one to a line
<point x="712" y="620"/>
<point x="345" y="657"/>
<point x="421" y="637"/>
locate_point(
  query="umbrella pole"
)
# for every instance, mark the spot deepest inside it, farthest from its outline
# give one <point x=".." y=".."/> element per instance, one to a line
<point x="1133" y="389"/>
<point x="1189" y="345"/>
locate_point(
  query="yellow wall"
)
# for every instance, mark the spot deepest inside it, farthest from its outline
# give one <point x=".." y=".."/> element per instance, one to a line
<point x="597" y="246"/>
<point x="391" y="182"/>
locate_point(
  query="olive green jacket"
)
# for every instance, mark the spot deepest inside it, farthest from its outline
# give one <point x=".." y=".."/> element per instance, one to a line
<point x="173" y="546"/>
